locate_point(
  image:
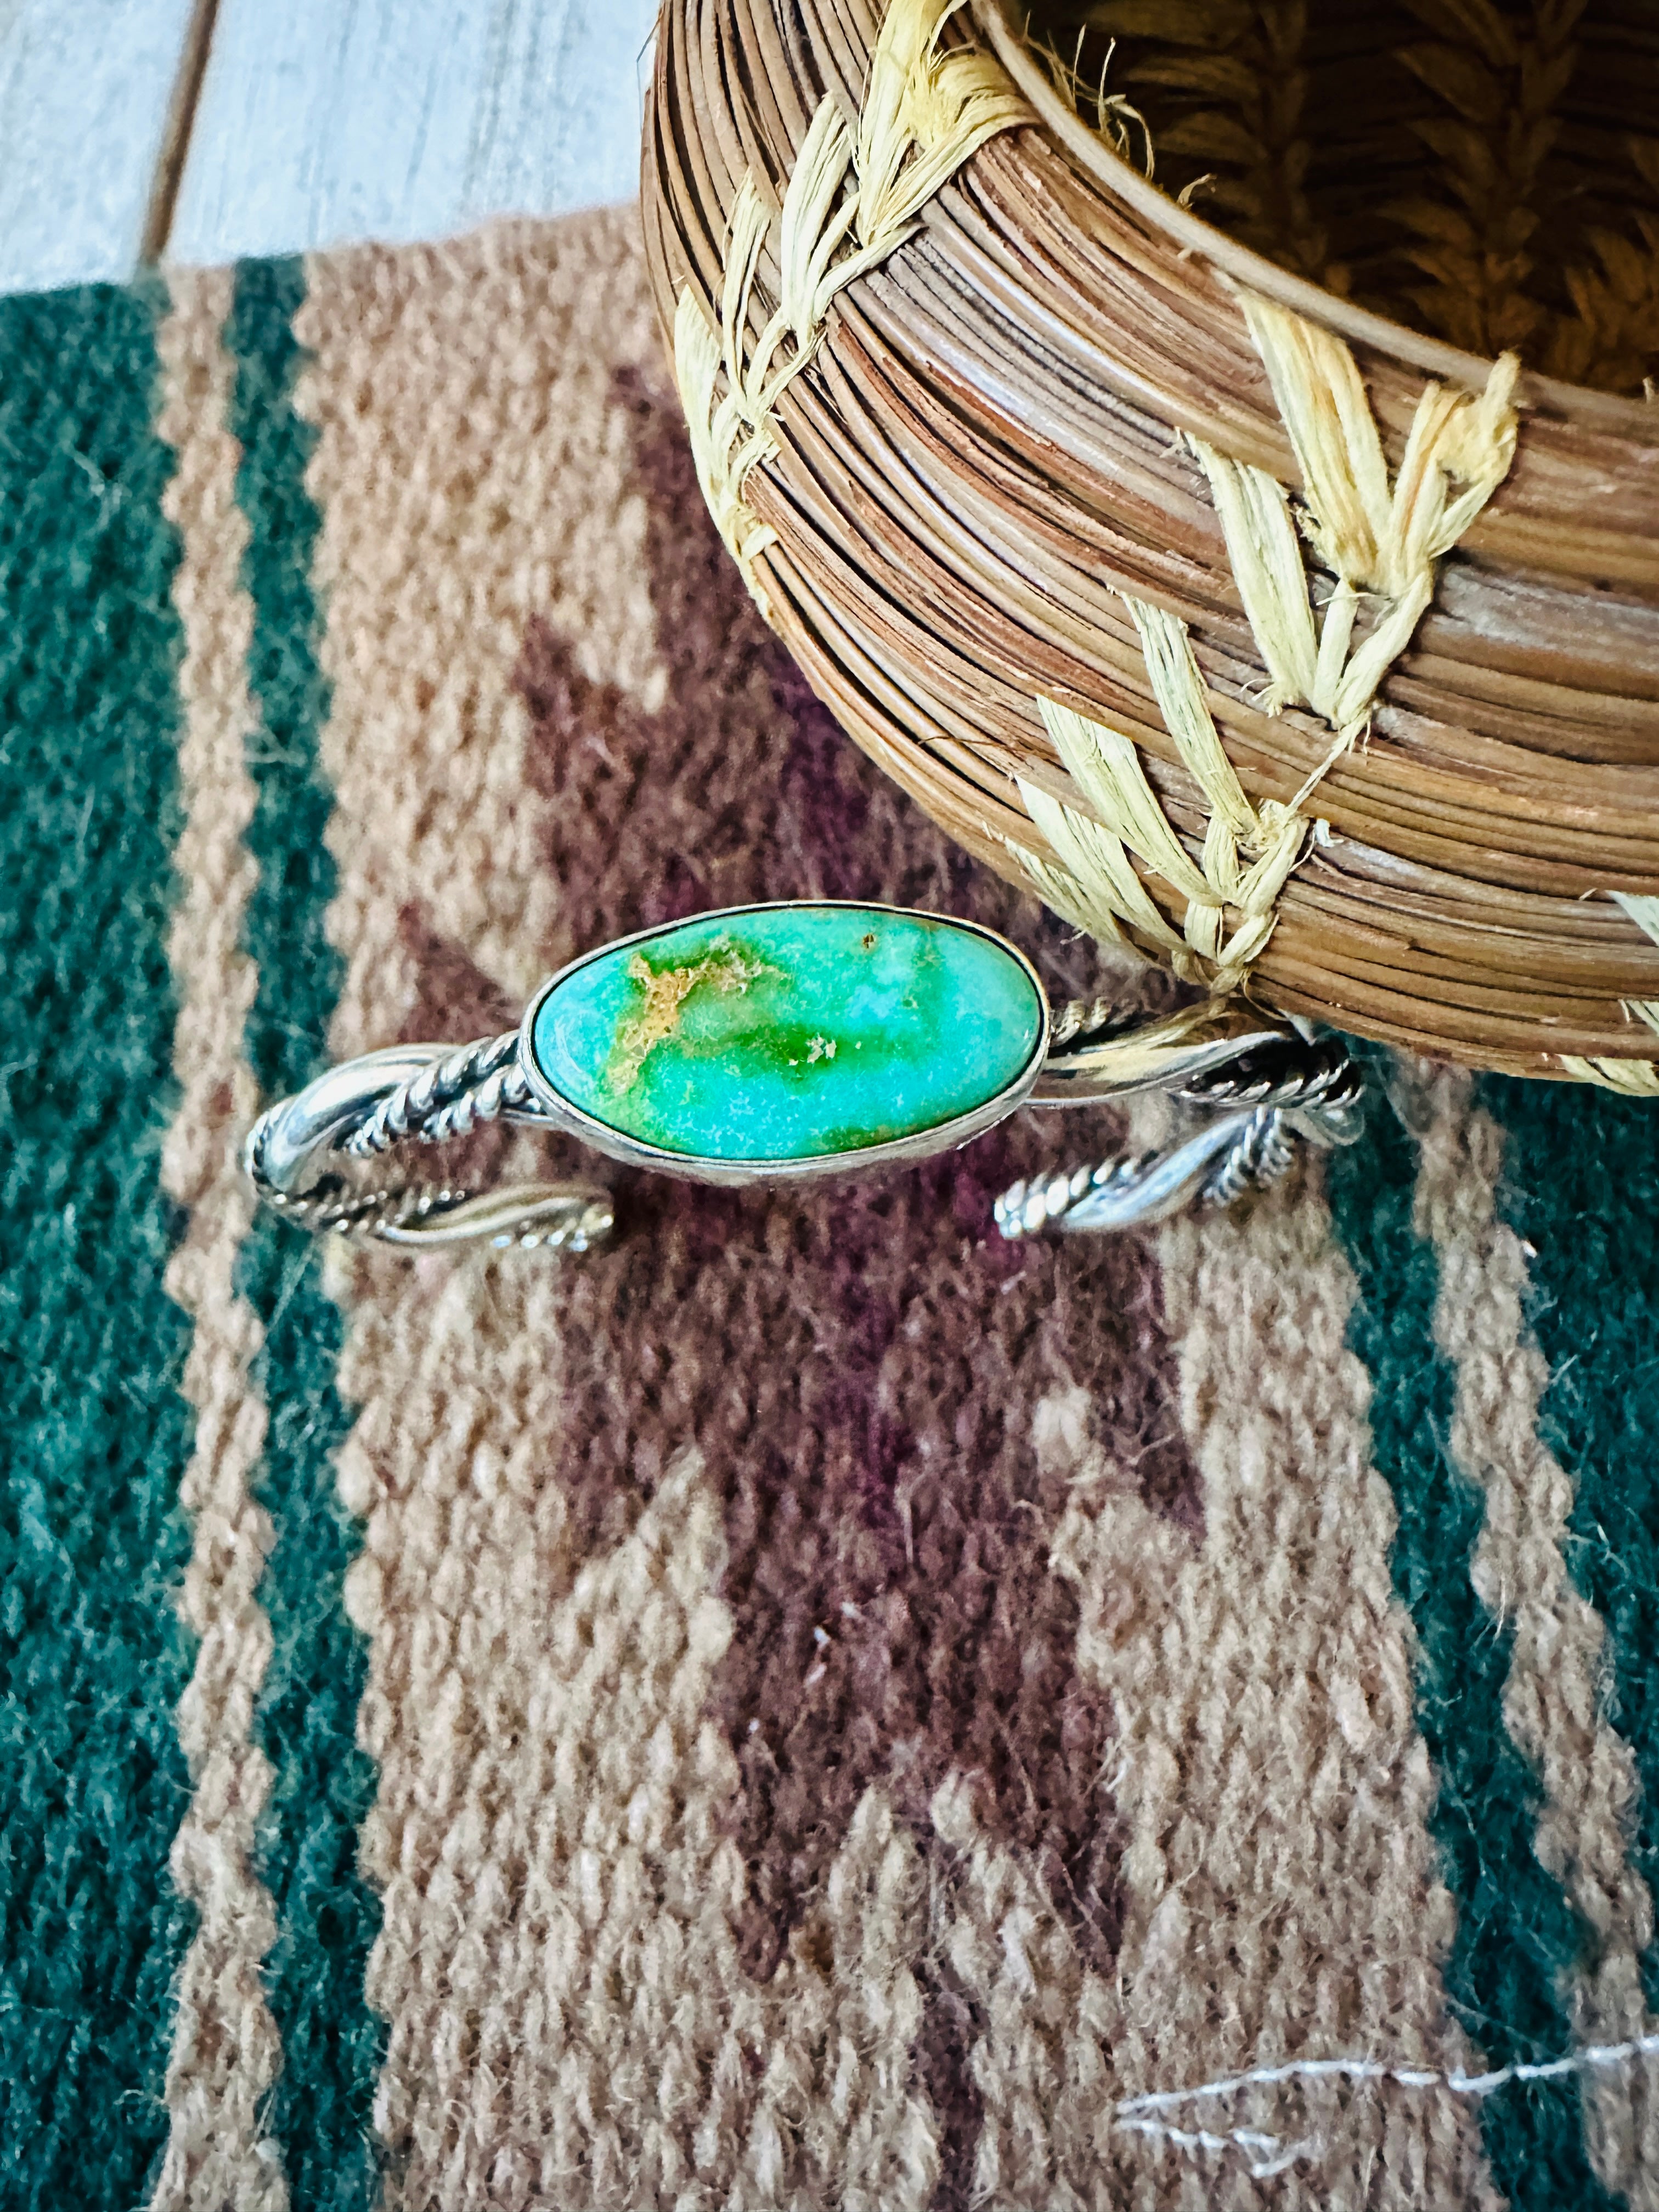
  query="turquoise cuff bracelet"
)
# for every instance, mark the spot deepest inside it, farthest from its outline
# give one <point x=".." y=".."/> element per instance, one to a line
<point x="773" y="1043"/>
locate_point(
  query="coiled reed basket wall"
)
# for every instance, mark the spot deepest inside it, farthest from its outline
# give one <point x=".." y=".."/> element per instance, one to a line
<point x="1307" y="654"/>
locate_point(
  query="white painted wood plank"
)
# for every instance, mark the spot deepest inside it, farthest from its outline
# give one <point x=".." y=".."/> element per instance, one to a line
<point x="85" y="88"/>
<point x="328" y="121"/>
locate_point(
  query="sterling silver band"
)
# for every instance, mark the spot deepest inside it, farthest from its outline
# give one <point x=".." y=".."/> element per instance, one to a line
<point x="1269" y="1095"/>
<point x="1264" y="1088"/>
<point x="414" y="1094"/>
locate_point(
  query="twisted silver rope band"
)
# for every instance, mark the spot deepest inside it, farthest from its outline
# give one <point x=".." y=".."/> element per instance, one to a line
<point x="1082" y="1017"/>
<point x="449" y="1094"/>
<point x="366" y="1212"/>
<point x="1282" y="1094"/>
<point x="475" y="1084"/>
<point x="572" y="1218"/>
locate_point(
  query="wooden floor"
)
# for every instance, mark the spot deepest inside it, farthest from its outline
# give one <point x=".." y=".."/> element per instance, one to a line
<point x="135" y="129"/>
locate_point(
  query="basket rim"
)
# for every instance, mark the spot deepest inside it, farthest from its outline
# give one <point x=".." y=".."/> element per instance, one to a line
<point x="1600" y="410"/>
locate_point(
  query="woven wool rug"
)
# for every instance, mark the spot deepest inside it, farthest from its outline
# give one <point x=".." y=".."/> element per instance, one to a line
<point x="814" y="1707"/>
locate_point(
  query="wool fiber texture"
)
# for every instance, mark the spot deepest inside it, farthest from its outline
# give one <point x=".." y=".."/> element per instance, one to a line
<point x="811" y="1709"/>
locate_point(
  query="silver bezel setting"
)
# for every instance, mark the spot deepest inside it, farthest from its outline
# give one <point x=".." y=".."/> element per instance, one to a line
<point x="632" y="1151"/>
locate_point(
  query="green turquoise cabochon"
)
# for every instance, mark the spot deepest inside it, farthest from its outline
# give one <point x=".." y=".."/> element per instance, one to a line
<point x="789" y="1033"/>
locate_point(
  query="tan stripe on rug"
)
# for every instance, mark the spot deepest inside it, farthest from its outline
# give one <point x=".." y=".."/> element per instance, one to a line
<point x="1281" y="1900"/>
<point x="226" y="2050"/>
<point x="1553" y="1699"/>
<point x="472" y="472"/>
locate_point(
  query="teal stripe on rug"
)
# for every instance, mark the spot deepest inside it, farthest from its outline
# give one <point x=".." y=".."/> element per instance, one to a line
<point x="327" y="1915"/>
<point x="94" y="1434"/>
<point x="1582" y="1187"/>
<point x="1518" y="1937"/>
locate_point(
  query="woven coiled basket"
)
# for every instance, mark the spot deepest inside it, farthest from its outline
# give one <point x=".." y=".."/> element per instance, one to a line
<point x="1302" y="651"/>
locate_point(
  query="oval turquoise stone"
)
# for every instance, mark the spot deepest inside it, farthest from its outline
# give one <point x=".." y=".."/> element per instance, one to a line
<point x="788" y="1033"/>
